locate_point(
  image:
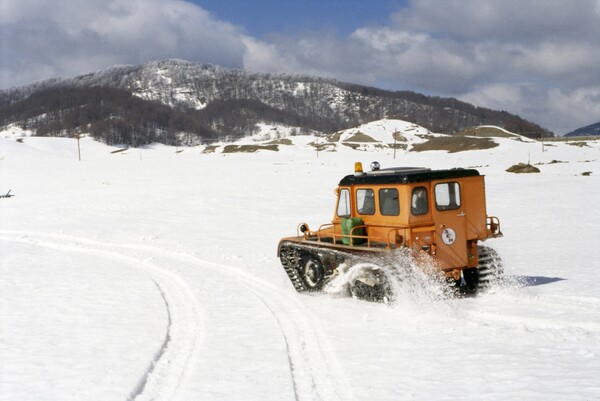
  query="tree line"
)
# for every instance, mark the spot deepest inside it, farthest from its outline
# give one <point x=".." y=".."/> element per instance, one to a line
<point x="111" y="115"/>
<point x="115" y="116"/>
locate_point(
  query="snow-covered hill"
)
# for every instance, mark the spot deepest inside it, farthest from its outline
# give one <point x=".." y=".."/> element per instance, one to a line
<point x="392" y="136"/>
<point x="151" y="274"/>
<point x="180" y="102"/>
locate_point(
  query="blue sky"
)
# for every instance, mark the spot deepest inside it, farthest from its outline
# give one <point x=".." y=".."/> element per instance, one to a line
<point x="539" y="59"/>
<point x="264" y="17"/>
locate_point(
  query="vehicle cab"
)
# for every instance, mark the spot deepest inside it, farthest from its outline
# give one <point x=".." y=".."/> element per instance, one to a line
<point x="442" y="212"/>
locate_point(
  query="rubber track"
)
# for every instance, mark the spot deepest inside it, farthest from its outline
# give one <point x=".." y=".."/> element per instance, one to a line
<point x="490" y="266"/>
<point x="291" y="255"/>
<point x="290" y="260"/>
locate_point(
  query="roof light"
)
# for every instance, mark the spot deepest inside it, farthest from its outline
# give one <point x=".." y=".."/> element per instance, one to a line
<point x="358" y="170"/>
<point x="375" y="166"/>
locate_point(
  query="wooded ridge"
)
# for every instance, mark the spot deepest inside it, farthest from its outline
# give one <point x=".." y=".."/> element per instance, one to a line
<point x="178" y="102"/>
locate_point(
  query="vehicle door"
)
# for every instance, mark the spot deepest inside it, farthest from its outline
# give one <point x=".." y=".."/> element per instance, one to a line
<point x="450" y="223"/>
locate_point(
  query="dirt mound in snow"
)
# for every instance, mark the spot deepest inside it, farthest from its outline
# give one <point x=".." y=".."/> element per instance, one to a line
<point x="453" y="144"/>
<point x="522" y="168"/>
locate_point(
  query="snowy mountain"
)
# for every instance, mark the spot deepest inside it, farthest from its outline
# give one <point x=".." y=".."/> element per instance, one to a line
<point x="175" y="102"/>
<point x="590" y="130"/>
<point x="151" y="274"/>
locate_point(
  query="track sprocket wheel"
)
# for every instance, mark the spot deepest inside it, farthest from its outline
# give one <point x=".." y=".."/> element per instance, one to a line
<point x="312" y="272"/>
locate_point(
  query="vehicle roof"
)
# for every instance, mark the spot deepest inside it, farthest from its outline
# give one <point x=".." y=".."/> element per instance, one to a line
<point x="405" y="175"/>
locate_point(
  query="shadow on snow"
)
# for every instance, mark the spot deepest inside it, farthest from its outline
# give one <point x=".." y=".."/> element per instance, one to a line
<point x="532" y="281"/>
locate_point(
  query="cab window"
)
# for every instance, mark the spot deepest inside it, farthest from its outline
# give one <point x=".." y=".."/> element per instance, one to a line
<point x="388" y="202"/>
<point x="365" y="201"/>
<point x="419" y="201"/>
<point x="447" y="196"/>
<point x="343" y="209"/>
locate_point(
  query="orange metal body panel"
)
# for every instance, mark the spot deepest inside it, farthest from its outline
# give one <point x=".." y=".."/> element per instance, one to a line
<point x="448" y="235"/>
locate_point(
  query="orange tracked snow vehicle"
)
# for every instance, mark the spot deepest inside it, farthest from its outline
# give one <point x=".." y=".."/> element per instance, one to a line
<point x="439" y="215"/>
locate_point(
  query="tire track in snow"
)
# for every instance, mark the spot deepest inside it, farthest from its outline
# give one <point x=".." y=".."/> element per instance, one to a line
<point x="287" y="348"/>
<point x="139" y="388"/>
<point x="172" y="361"/>
<point x="314" y="370"/>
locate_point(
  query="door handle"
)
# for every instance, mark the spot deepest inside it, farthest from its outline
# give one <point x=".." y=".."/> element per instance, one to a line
<point x="461" y="214"/>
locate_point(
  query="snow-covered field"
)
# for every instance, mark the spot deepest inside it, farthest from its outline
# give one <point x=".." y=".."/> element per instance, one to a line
<point x="152" y="275"/>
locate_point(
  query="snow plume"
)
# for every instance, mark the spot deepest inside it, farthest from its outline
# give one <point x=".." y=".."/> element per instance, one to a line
<point x="413" y="277"/>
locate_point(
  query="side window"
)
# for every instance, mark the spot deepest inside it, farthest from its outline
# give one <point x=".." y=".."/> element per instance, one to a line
<point x="419" y="201"/>
<point x="388" y="202"/>
<point x="365" y="201"/>
<point x="447" y="196"/>
<point x="343" y="209"/>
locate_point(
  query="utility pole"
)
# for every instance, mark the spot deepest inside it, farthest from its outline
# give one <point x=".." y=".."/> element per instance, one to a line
<point x="543" y="149"/>
<point x="78" y="147"/>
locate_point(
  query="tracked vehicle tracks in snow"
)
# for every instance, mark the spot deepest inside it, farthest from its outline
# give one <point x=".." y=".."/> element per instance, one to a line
<point x="185" y="326"/>
<point x="314" y="371"/>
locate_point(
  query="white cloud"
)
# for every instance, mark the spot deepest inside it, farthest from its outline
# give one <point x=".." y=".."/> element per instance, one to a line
<point x="506" y="21"/>
<point x="567" y="107"/>
<point x="43" y="39"/>
<point x="322" y="54"/>
<point x="563" y="110"/>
